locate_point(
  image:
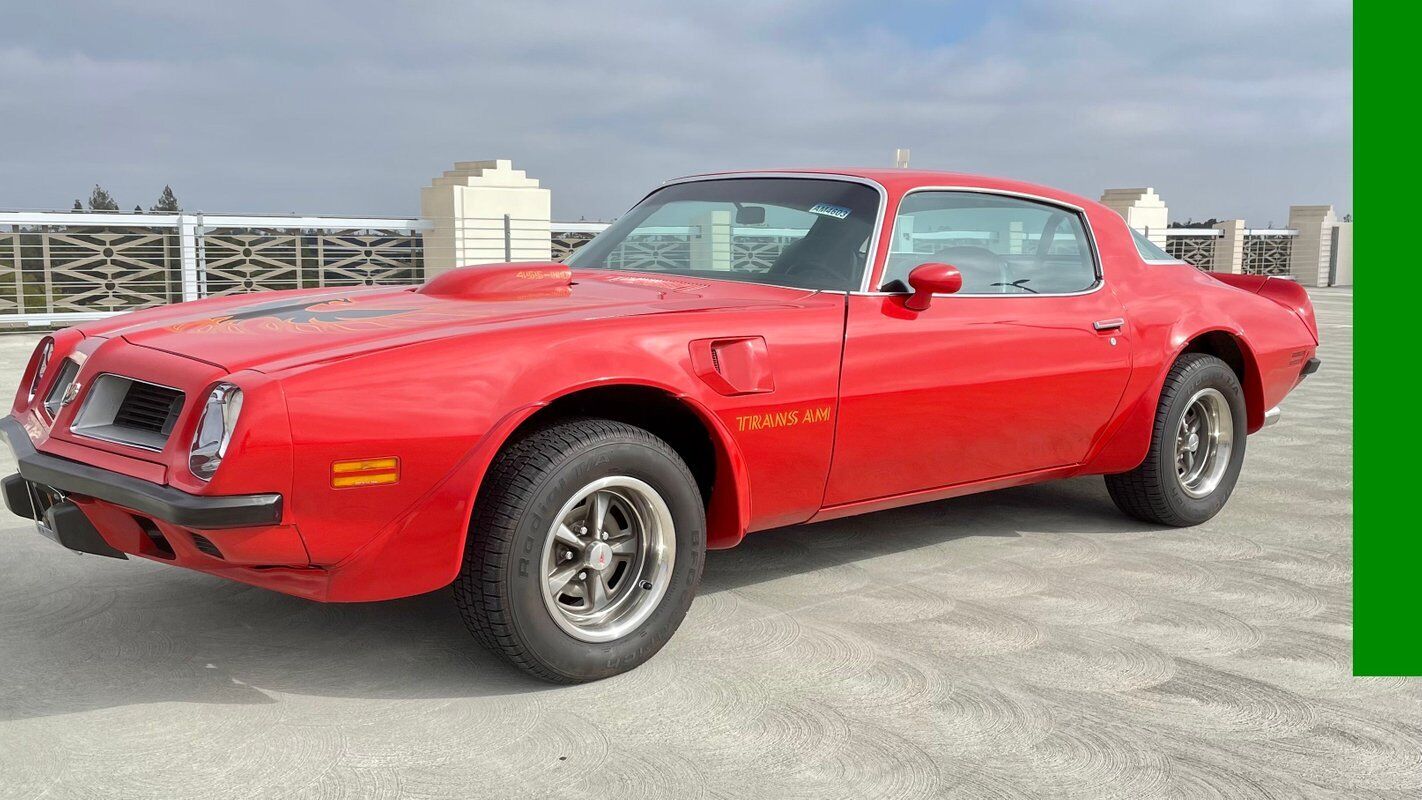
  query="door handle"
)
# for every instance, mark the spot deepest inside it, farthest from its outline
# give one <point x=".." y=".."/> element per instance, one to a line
<point x="1114" y="324"/>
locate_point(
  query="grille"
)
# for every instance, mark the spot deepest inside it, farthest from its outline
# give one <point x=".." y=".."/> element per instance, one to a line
<point x="150" y="408"/>
<point x="128" y="411"/>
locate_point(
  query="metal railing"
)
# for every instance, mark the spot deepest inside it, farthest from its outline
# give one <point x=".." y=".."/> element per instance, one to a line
<point x="1264" y="251"/>
<point x="1195" y="246"/>
<point x="63" y="267"/>
<point x="1269" y="251"/>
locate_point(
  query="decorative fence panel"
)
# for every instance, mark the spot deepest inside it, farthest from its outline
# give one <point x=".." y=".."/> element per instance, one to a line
<point x="655" y="249"/>
<point x="63" y="267"/>
<point x="1192" y="245"/>
<point x="669" y="248"/>
<point x="565" y="243"/>
<point x="755" y="253"/>
<point x="90" y="269"/>
<point x="1268" y="252"/>
<point x="249" y="260"/>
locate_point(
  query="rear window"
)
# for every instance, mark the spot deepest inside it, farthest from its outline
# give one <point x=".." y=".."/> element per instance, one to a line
<point x="1148" y="249"/>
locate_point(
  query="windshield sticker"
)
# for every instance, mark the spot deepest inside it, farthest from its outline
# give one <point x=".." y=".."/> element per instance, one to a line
<point x="827" y="210"/>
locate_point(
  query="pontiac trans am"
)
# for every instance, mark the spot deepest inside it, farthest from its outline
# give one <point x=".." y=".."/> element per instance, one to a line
<point x="739" y="352"/>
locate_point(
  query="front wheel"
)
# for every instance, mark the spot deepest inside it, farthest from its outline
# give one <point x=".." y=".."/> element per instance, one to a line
<point x="1196" y="448"/>
<point x="584" y="552"/>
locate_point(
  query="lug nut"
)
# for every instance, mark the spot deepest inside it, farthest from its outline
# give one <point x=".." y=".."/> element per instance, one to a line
<point x="582" y="576"/>
<point x="603" y="536"/>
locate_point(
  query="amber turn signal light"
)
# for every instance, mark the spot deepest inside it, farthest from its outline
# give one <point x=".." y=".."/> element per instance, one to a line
<point x="364" y="472"/>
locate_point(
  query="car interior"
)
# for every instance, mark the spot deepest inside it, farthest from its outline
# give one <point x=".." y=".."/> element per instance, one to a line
<point x="1001" y="246"/>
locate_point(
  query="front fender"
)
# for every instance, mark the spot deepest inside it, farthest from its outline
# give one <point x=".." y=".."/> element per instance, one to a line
<point x="445" y="409"/>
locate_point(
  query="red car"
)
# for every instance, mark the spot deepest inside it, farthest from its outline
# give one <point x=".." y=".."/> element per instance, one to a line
<point x="738" y="352"/>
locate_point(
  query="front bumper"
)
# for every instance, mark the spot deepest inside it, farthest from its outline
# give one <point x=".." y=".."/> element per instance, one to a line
<point x="44" y="483"/>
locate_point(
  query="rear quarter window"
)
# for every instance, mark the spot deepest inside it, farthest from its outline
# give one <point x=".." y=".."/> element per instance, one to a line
<point x="1149" y="250"/>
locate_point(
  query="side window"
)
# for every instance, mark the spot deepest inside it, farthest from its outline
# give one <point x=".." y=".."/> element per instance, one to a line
<point x="1001" y="244"/>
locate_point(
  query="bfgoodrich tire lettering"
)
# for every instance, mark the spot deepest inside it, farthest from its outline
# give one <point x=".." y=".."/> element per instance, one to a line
<point x="501" y="587"/>
<point x="1157" y="491"/>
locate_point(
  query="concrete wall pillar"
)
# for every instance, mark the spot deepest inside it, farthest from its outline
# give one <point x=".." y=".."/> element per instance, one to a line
<point x="711" y="240"/>
<point x="1343" y="254"/>
<point x="1313" y="246"/>
<point x="485" y="212"/>
<point x="1142" y="209"/>
<point x="1229" y="247"/>
<point x="1016" y="237"/>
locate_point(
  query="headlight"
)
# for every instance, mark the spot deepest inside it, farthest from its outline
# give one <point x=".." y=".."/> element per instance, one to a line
<point x="214" y="430"/>
<point x="46" y="351"/>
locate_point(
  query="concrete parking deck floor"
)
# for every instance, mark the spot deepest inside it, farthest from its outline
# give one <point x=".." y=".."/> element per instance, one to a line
<point x="1025" y="643"/>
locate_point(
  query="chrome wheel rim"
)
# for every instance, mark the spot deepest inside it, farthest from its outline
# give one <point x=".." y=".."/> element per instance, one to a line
<point x="1204" y="440"/>
<point x="607" y="559"/>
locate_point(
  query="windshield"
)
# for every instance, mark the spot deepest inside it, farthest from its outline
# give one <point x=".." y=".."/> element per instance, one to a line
<point x="807" y="233"/>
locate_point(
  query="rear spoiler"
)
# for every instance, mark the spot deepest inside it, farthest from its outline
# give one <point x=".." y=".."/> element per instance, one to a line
<point x="1284" y="291"/>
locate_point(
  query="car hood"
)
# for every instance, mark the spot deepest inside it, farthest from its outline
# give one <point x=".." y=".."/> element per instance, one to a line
<point x="272" y="331"/>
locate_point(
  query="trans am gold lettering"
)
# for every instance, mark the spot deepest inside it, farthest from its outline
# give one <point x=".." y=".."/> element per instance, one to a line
<point x="783" y="419"/>
<point x="540" y="274"/>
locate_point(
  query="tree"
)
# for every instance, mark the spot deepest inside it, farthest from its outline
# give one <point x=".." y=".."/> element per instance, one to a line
<point x="101" y="200"/>
<point x="78" y="206"/>
<point x="167" y="202"/>
<point x="138" y="209"/>
<point x="1191" y="223"/>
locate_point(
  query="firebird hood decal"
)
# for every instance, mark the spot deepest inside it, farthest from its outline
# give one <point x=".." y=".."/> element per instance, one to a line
<point x="310" y="316"/>
<point x="275" y="332"/>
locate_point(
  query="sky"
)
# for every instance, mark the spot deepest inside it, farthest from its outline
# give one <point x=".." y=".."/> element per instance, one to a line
<point x="1232" y="109"/>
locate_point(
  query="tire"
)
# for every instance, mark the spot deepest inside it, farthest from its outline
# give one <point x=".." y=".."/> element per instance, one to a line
<point x="648" y="497"/>
<point x="1157" y="491"/>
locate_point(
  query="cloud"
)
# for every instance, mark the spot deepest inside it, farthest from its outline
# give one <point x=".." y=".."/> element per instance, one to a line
<point x="1226" y="108"/>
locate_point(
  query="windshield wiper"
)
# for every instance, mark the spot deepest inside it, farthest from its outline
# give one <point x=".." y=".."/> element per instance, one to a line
<point x="1017" y="284"/>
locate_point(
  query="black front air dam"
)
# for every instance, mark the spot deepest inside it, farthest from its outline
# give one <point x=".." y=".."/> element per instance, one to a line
<point x="152" y="499"/>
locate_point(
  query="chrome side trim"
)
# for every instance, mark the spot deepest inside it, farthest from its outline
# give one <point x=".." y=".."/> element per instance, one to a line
<point x="1078" y="210"/>
<point x="1271" y="416"/>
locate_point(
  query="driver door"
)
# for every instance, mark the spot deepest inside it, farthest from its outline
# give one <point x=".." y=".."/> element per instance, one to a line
<point x="1019" y="371"/>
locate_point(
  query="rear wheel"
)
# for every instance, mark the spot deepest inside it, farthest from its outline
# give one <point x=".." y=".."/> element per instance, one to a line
<point x="584" y="552"/>
<point x="1196" y="449"/>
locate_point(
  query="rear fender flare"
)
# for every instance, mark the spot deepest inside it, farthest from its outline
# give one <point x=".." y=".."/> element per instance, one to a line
<point x="1126" y="446"/>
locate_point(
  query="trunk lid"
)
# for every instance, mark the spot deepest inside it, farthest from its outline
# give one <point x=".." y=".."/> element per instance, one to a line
<point x="1284" y="291"/>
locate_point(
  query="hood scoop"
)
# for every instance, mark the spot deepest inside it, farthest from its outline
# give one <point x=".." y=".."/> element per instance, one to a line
<point x="502" y="282"/>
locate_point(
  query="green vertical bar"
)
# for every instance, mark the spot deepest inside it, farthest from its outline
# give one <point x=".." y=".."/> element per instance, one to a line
<point x="1387" y="533"/>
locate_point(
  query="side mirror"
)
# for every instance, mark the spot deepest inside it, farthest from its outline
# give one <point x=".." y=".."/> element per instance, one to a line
<point x="930" y="279"/>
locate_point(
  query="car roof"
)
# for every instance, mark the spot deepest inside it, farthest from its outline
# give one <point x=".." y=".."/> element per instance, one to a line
<point x="898" y="181"/>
